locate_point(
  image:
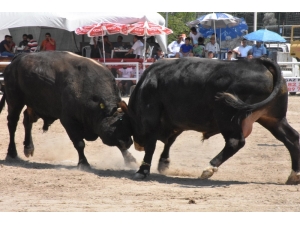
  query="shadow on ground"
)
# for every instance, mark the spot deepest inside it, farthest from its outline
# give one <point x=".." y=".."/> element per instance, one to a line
<point x="186" y="182"/>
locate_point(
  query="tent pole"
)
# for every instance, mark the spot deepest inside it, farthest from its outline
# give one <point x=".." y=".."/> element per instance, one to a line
<point x="103" y="48"/>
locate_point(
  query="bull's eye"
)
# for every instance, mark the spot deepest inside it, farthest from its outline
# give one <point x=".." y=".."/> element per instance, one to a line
<point x="102" y="106"/>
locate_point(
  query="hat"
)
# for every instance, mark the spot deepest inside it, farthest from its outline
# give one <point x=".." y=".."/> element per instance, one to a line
<point x="159" y="49"/>
<point x="229" y="51"/>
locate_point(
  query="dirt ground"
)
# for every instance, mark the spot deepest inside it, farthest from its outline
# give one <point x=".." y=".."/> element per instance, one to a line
<point x="251" y="181"/>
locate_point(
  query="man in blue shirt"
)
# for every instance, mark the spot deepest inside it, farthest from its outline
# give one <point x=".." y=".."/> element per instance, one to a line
<point x="186" y="49"/>
<point x="259" y="50"/>
<point x="5" y="48"/>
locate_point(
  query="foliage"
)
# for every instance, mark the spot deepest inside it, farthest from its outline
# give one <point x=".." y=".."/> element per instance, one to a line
<point x="177" y="22"/>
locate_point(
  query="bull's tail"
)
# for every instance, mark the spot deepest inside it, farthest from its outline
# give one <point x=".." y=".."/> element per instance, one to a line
<point x="245" y="109"/>
<point x="2" y="102"/>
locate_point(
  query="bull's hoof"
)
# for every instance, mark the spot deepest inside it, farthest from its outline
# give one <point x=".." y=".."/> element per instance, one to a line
<point x="142" y="173"/>
<point x="163" y="165"/>
<point x="208" y="172"/>
<point x="84" y="166"/>
<point x="294" y="178"/>
<point x="12" y="151"/>
<point x="28" y="151"/>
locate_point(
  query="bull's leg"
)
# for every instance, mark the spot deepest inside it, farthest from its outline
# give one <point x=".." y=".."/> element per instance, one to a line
<point x="235" y="140"/>
<point x="75" y="132"/>
<point x="290" y="138"/>
<point x="129" y="160"/>
<point x="13" y="118"/>
<point x="144" y="170"/>
<point x="164" y="160"/>
<point x="28" y="144"/>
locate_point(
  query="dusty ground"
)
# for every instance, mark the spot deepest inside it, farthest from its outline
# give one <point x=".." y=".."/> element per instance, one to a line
<point x="252" y="180"/>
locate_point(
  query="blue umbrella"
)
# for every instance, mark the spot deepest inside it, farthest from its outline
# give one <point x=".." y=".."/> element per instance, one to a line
<point x="227" y="33"/>
<point x="264" y="35"/>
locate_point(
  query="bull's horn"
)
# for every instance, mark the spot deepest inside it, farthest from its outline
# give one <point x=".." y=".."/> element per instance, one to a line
<point x="119" y="110"/>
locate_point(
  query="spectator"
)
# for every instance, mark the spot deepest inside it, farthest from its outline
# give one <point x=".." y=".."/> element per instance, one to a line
<point x="210" y="55"/>
<point x="249" y="55"/>
<point x="151" y="41"/>
<point x="5" y="45"/>
<point x="259" y="50"/>
<point x="94" y="44"/>
<point x="107" y="47"/>
<point x="141" y="70"/>
<point x="183" y="37"/>
<point x="12" y="45"/>
<point x="124" y="85"/>
<point x="199" y="49"/>
<point x="119" y="45"/>
<point x="48" y="44"/>
<point x="32" y="44"/>
<point x="174" y="47"/>
<point x="212" y="46"/>
<point x="113" y="70"/>
<point x="159" y="55"/>
<point x="243" y="49"/>
<point x="186" y="50"/>
<point x="24" y="41"/>
<point x="136" y="50"/>
<point x="229" y="56"/>
<point x="194" y="35"/>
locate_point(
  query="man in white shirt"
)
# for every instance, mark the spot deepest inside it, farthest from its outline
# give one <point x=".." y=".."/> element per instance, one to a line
<point x="194" y="35"/>
<point x="243" y="49"/>
<point x="174" y="47"/>
<point x="212" y="46"/>
<point x="124" y="85"/>
<point x="136" y="49"/>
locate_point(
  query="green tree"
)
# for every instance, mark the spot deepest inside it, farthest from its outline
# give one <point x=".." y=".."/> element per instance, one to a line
<point x="177" y="22"/>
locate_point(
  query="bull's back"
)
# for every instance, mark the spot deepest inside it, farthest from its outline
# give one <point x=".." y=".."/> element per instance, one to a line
<point x="186" y="89"/>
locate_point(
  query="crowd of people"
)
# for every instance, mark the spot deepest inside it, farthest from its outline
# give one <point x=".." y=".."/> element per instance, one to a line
<point x="28" y="44"/>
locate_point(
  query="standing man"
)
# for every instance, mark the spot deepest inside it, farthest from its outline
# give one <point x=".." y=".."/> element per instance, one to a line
<point x="94" y="44"/>
<point x="194" y="35"/>
<point x="48" y="44"/>
<point x="243" y="49"/>
<point x="24" y="42"/>
<point x="5" y="47"/>
<point x="174" y="47"/>
<point x="259" y="50"/>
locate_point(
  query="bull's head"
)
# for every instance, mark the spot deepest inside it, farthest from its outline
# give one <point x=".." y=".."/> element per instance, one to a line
<point x="115" y="130"/>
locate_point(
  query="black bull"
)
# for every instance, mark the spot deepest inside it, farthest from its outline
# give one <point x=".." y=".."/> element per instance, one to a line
<point x="79" y="92"/>
<point x="212" y="97"/>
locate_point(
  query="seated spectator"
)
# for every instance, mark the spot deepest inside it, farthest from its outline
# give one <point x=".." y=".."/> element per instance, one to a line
<point x="151" y="41"/>
<point x="124" y="85"/>
<point x="174" y="47"/>
<point x="24" y="41"/>
<point x="107" y="47"/>
<point x="159" y="54"/>
<point x="113" y="70"/>
<point x="199" y="49"/>
<point x="32" y="44"/>
<point x="210" y="55"/>
<point x="48" y="44"/>
<point x="259" y="50"/>
<point x="229" y="56"/>
<point x="119" y="45"/>
<point x="5" y="47"/>
<point x="136" y="50"/>
<point x="212" y="46"/>
<point x="249" y="55"/>
<point x="186" y="50"/>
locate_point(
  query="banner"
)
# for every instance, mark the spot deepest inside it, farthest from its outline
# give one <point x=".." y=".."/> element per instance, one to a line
<point x="293" y="84"/>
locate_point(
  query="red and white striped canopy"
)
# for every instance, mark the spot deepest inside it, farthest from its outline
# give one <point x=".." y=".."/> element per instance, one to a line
<point x="102" y="29"/>
<point x="148" y="28"/>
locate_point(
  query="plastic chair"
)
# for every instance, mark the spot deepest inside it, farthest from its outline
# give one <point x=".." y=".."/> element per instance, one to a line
<point x="87" y="51"/>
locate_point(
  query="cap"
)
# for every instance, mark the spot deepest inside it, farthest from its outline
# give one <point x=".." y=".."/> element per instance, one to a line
<point x="229" y="51"/>
<point x="159" y="49"/>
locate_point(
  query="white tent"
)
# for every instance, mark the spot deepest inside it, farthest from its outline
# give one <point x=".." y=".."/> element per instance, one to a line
<point x="38" y="23"/>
